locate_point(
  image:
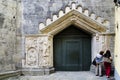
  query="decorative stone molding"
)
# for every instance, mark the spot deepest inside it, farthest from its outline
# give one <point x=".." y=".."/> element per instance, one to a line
<point x="74" y="18"/>
<point x="32" y="57"/>
<point x="76" y="9"/>
<point x="37" y="49"/>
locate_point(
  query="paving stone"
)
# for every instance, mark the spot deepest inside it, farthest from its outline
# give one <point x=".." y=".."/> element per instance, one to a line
<point x="87" y="75"/>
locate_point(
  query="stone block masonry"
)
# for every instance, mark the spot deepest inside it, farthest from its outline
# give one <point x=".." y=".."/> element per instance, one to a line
<point x="19" y="18"/>
<point x="8" y="9"/>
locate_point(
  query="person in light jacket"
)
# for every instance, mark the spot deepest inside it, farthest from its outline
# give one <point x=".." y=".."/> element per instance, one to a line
<point x="99" y="60"/>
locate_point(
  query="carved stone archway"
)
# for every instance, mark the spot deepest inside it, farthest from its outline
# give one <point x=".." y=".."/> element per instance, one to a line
<point x="43" y="43"/>
<point x="75" y="18"/>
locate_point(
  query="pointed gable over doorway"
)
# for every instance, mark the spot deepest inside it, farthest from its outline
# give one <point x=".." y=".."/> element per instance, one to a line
<point x="74" y="16"/>
<point x="43" y="42"/>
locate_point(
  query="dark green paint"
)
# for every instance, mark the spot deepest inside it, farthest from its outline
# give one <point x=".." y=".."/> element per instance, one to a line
<point x="72" y="50"/>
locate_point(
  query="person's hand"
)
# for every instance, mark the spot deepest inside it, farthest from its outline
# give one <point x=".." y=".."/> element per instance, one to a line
<point x="110" y="58"/>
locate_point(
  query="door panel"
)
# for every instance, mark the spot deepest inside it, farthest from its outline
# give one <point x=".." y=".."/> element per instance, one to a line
<point x="58" y="54"/>
<point x="71" y="54"/>
<point x="72" y="51"/>
<point x="86" y="53"/>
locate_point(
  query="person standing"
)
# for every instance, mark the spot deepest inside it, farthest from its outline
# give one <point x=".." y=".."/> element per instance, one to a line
<point x="99" y="60"/>
<point x="107" y="63"/>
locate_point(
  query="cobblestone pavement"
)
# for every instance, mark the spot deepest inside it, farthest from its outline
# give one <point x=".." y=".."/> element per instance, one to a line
<point x="87" y="75"/>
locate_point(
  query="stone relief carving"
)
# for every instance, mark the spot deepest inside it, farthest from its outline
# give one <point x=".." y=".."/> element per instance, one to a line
<point x="31" y="42"/>
<point x="31" y="52"/>
<point x="37" y="51"/>
<point x="44" y="49"/>
<point x="32" y="57"/>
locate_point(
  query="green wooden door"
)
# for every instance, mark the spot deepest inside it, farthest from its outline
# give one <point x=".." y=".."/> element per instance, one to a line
<point x="71" y="54"/>
<point x="72" y="50"/>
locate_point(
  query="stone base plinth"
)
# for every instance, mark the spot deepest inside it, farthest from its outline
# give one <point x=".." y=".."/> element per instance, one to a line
<point x="49" y="70"/>
<point x="7" y="74"/>
<point x="37" y="71"/>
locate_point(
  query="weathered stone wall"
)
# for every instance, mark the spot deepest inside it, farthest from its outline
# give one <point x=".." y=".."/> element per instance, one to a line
<point x="8" y="35"/>
<point x="36" y="11"/>
<point x="117" y="42"/>
<point x="19" y="36"/>
<point x="20" y="17"/>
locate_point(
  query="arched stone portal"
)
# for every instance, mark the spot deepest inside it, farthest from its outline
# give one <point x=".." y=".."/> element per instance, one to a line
<point x="72" y="50"/>
<point x="43" y="42"/>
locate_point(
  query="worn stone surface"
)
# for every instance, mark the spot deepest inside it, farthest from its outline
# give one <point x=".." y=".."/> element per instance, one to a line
<point x="21" y="17"/>
<point x="64" y="76"/>
<point x="117" y="43"/>
<point x="37" y="11"/>
<point x="7" y="34"/>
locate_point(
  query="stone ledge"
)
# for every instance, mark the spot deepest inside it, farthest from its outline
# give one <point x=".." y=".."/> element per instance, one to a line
<point x="7" y="74"/>
<point x="49" y="70"/>
<point x="37" y="71"/>
<point x="32" y="72"/>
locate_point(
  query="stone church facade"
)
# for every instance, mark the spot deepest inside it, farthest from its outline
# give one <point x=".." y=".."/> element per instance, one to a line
<point x="29" y="29"/>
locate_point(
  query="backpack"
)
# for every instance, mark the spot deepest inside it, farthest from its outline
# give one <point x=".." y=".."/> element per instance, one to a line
<point x="94" y="62"/>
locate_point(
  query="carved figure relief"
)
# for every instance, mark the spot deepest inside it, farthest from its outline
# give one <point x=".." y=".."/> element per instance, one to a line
<point x="32" y="57"/>
<point x="44" y="48"/>
<point x="37" y="51"/>
<point x="31" y="42"/>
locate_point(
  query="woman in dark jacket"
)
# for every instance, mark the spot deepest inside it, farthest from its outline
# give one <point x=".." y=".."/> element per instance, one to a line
<point x="107" y="63"/>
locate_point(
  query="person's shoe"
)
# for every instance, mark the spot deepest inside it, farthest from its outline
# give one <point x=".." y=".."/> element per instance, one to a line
<point x="97" y="75"/>
<point x="100" y="75"/>
<point x="108" y="76"/>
